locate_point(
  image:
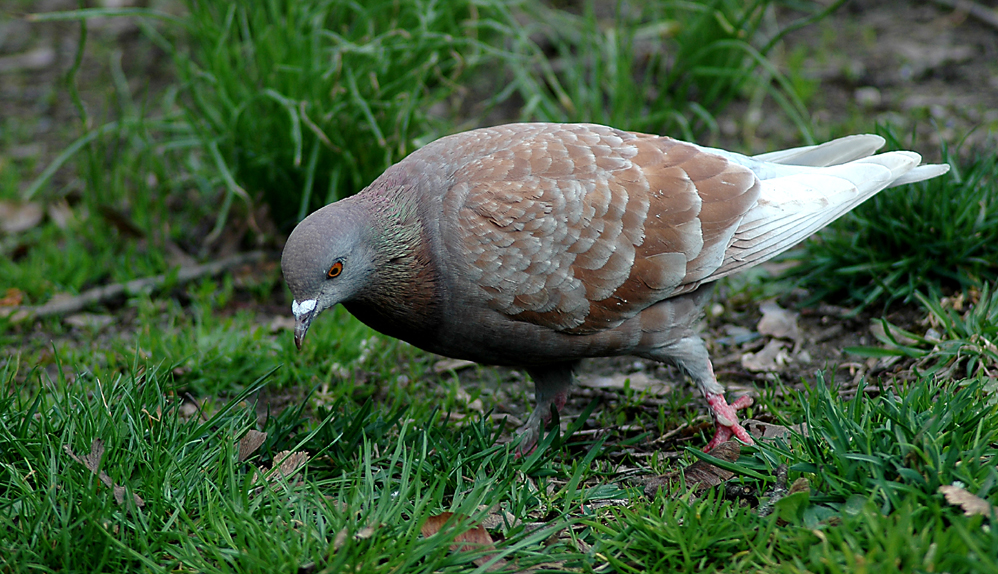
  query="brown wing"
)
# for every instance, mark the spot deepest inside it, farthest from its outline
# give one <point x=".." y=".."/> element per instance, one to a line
<point x="580" y="227"/>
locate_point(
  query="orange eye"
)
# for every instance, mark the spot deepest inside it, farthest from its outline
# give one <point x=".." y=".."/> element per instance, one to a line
<point x="335" y="270"/>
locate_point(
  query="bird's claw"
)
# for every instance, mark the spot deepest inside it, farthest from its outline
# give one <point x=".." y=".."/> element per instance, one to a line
<point x="726" y="420"/>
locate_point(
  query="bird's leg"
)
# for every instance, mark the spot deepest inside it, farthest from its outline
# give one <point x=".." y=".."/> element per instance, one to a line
<point x="551" y="386"/>
<point x="690" y="355"/>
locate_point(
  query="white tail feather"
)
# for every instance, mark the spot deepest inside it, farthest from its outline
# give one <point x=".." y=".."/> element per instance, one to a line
<point x="806" y="188"/>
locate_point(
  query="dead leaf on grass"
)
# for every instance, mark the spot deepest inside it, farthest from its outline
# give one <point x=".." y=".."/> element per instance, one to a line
<point x="92" y="463"/>
<point x="18" y="216"/>
<point x="767" y="431"/>
<point x="496" y="519"/>
<point x="289" y="464"/>
<point x="699" y="476"/>
<point x="778" y="322"/>
<point x="474" y="539"/>
<point x="970" y="503"/>
<point x="250" y="443"/>
<point x="340" y="539"/>
<point x="12" y="298"/>
<point x="364" y="533"/>
<point x="773" y="357"/>
<point x="61" y="213"/>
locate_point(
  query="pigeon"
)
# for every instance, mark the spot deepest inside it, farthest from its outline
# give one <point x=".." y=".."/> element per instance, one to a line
<point x="535" y="245"/>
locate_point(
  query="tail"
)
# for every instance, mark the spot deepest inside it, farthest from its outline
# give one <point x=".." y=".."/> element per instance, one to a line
<point x="806" y="188"/>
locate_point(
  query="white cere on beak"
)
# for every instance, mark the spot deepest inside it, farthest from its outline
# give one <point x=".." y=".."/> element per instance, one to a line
<point x="305" y="306"/>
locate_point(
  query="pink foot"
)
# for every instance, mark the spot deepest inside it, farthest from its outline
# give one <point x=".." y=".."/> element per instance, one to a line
<point x="726" y="420"/>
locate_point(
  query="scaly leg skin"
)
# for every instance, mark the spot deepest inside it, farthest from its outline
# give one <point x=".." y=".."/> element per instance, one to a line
<point x="689" y="353"/>
<point x="551" y="386"/>
<point x="726" y="420"/>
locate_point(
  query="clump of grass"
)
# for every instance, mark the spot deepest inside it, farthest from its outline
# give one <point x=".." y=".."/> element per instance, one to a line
<point x="658" y="67"/>
<point x="307" y="102"/>
<point x="898" y="446"/>
<point x="960" y="339"/>
<point x="203" y="509"/>
<point x="939" y="233"/>
<point x="873" y="466"/>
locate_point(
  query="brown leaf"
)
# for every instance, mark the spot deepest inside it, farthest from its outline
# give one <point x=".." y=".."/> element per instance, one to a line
<point x="778" y="322"/>
<point x="250" y="442"/>
<point x="476" y="538"/>
<point x="971" y="504"/>
<point x="340" y="539"/>
<point x="364" y="533"/>
<point x="800" y="485"/>
<point x="61" y="214"/>
<point x="771" y="358"/>
<point x="12" y="298"/>
<point x="92" y="463"/>
<point x="700" y="475"/>
<point x="766" y="431"/>
<point x="16" y="216"/>
<point x="92" y="460"/>
<point x="290" y="463"/>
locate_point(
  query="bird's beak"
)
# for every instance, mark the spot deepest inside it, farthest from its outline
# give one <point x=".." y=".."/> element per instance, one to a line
<point x="304" y="313"/>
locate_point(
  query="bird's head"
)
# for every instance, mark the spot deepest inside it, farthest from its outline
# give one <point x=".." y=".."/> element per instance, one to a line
<point x="327" y="260"/>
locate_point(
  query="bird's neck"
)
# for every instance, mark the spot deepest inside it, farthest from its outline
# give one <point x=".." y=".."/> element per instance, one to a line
<point x="403" y="296"/>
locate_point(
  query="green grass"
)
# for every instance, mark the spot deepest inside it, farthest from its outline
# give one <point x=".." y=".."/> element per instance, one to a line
<point x="958" y="342"/>
<point x="942" y="233"/>
<point x="874" y="466"/>
<point x="205" y="510"/>
<point x="244" y="116"/>
<point x="377" y="472"/>
<point x="274" y="97"/>
<point x="656" y="67"/>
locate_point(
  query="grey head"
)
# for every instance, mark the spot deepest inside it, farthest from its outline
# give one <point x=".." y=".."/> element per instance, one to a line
<point x="327" y="260"/>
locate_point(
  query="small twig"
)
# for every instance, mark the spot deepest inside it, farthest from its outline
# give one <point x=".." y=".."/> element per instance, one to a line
<point x="108" y="292"/>
<point x="982" y="13"/>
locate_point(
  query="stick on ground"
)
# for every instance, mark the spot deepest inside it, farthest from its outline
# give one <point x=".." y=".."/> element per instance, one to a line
<point x="108" y="292"/>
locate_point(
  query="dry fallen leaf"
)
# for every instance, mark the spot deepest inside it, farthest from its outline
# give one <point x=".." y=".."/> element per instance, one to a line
<point x="16" y="216"/>
<point x="971" y="504"/>
<point x="340" y="539"/>
<point x="290" y="463"/>
<point x="250" y="442"/>
<point x="92" y="463"/>
<point x="771" y="358"/>
<point x="474" y="539"/>
<point x="61" y="214"/>
<point x="778" y="322"/>
<point x="767" y="431"/>
<point x="700" y="475"/>
<point x="12" y="298"/>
